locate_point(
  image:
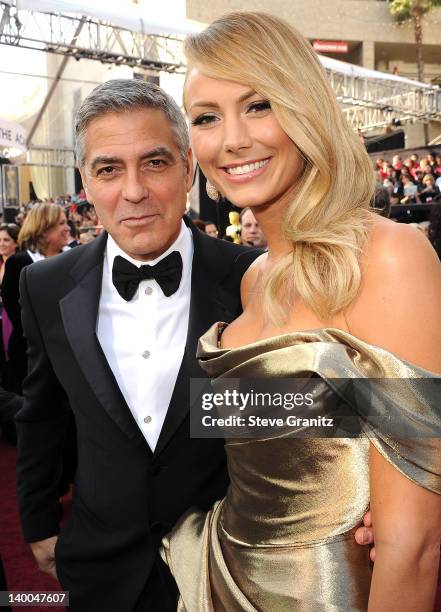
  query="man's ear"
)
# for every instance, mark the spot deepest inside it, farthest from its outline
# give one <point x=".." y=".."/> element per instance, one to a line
<point x="189" y="173"/>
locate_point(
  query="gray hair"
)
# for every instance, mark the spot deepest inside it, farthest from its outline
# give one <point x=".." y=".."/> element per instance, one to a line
<point x="121" y="95"/>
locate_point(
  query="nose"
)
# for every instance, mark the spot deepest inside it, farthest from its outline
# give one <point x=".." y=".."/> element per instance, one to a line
<point x="236" y="134"/>
<point x="134" y="189"/>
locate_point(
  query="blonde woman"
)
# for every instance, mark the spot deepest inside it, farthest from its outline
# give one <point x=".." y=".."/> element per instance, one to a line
<point x="340" y="293"/>
<point x="44" y="233"/>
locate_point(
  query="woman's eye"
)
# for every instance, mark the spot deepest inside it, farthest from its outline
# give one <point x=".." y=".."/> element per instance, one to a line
<point x="257" y="107"/>
<point x="203" y="120"/>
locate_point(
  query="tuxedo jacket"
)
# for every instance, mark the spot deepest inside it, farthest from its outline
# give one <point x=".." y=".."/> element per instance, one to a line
<point x="125" y="498"/>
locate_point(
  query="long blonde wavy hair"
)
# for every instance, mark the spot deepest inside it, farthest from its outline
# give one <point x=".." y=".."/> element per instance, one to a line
<point x="328" y="217"/>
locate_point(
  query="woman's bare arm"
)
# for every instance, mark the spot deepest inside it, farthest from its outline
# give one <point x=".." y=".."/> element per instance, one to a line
<point x="399" y="308"/>
<point x="407" y="524"/>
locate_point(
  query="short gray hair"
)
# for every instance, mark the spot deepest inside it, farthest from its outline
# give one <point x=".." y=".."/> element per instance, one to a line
<point x="121" y="95"/>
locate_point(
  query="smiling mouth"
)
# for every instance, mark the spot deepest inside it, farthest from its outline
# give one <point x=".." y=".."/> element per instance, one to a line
<point x="246" y="168"/>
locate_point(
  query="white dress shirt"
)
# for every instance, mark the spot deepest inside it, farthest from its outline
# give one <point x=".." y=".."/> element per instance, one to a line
<point x="144" y="339"/>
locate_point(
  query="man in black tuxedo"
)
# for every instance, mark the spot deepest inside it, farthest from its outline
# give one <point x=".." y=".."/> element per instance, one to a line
<point x="114" y="344"/>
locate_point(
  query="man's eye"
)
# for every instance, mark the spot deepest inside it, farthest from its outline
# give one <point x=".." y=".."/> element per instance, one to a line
<point x="257" y="107"/>
<point x="156" y="163"/>
<point x="107" y="170"/>
<point x="203" y="119"/>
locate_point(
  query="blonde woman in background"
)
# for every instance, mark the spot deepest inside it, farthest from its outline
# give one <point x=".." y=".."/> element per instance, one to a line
<point x="44" y="233"/>
<point x="342" y="293"/>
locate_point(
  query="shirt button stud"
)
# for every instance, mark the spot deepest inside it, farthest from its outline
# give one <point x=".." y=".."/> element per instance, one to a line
<point x="146" y="354"/>
<point x="148" y="290"/>
<point x="147" y="419"/>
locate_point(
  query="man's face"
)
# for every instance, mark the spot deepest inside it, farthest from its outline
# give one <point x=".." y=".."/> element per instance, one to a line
<point x="211" y="230"/>
<point x="250" y="230"/>
<point x="135" y="177"/>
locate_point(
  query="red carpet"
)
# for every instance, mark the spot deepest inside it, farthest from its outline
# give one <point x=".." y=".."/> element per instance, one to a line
<point x="21" y="570"/>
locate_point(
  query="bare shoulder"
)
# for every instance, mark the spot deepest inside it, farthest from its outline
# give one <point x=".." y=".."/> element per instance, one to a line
<point x="398" y="305"/>
<point x="249" y="279"/>
<point x="398" y="259"/>
<point x="390" y="242"/>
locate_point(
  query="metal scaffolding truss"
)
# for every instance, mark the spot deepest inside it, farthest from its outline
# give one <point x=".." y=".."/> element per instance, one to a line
<point x="62" y="157"/>
<point x="89" y="38"/>
<point x="370" y="103"/>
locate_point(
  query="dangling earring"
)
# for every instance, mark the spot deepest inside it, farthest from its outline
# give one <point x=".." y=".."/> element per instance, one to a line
<point x="212" y="192"/>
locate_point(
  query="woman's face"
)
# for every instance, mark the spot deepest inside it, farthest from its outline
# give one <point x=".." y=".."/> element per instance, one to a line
<point x="238" y="141"/>
<point x="7" y="244"/>
<point x="57" y="236"/>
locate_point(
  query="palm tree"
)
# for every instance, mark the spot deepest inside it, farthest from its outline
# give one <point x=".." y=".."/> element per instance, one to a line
<point x="413" y="10"/>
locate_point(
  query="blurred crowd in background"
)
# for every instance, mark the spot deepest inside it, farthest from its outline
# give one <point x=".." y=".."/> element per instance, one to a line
<point x="412" y="180"/>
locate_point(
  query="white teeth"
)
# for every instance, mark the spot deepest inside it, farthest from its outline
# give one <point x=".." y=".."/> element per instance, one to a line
<point x="247" y="167"/>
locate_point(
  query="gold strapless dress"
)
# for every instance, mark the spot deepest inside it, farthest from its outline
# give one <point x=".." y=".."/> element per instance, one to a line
<point x="282" y="540"/>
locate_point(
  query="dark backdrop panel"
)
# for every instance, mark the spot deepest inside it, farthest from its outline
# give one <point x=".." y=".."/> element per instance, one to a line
<point x="78" y="181"/>
<point x="385" y="142"/>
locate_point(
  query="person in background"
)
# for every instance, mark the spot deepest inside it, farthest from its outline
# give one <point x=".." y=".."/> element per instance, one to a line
<point x="211" y="229"/>
<point x="418" y="177"/>
<point x="394" y="199"/>
<point x="430" y="191"/>
<point x="414" y="159"/>
<point x="86" y="236"/>
<point x="252" y="234"/>
<point x="397" y="162"/>
<point x="437" y="167"/>
<point x="431" y="160"/>
<point x="74" y="234"/>
<point x="382" y="200"/>
<point x="410" y="191"/>
<point x="207" y="227"/>
<point x="44" y="233"/>
<point x="8" y="246"/>
<point x="426" y="167"/>
<point x="405" y="172"/>
<point x="408" y="165"/>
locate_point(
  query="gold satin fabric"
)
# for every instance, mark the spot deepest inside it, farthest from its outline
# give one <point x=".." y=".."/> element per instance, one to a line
<point x="282" y="539"/>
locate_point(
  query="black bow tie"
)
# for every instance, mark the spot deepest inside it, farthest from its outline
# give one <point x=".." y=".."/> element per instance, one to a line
<point x="167" y="273"/>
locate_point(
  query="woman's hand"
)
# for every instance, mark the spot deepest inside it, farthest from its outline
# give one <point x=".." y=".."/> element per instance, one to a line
<point x="365" y="535"/>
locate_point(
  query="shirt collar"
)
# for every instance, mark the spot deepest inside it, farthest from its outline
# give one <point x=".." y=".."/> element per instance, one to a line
<point x="183" y="244"/>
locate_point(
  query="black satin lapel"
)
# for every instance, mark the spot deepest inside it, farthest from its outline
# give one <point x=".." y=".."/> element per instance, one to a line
<point x="79" y="311"/>
<point x="209" y="303"/>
